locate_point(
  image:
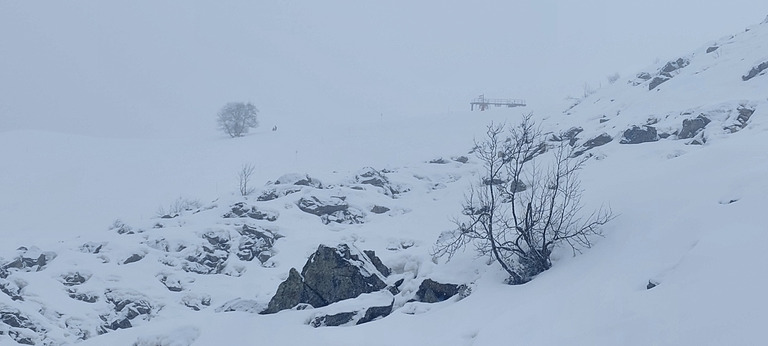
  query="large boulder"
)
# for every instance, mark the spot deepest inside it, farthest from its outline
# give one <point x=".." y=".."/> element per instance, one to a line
<point x="330" y="275"/>
<point x="637" y="135"/>
<point x="431" y="291"/>
<point x="755" y="70"/>
<point x="602" y="139"/>
<point x="691" y="127"/>
<point x="331" y="209"/>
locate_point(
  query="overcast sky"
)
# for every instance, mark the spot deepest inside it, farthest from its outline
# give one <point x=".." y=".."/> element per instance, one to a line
<point x="147" y="68"/>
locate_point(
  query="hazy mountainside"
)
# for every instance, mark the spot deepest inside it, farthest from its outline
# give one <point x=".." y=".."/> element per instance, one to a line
<point x="677" y="151"/>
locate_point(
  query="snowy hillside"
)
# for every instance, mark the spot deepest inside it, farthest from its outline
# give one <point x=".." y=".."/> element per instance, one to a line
<point x="677" y="151"/>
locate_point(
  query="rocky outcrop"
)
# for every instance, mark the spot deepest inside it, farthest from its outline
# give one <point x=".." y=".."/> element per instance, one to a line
<point x="431" y="291"/>
<point x="331" y="209"/>
<point x="360" y="316"/>
<point x="691" y="127"/>
<point x="657" y="81"/>
<point x="755" y="71"/>
<point x="126" y="306"/>
<point x="637" y="135"/>
<point x="240" y="209"/>
<point x="370" y="176"/>
<point x="602" y="139"/>
<point x="330" y="275"/>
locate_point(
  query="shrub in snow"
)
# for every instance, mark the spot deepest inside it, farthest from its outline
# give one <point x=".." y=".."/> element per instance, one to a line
<point x="520" y="229"/>
<point x="236" y="118"/>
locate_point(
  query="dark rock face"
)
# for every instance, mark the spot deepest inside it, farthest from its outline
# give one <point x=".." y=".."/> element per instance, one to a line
<point x="691" y="127"/>
<point x="126" y="306"/>
<point x="365" y="315"/>
<point x="21" y="328"/>
<point x="11" y="289"/>
<point x="376" y="312"/>
<point x="657" y="81"/>
<point x="712" y="49"/>
<point x="370" y="176"/>
<point x="461" y="159"/>
<point x="28" y="260"/>
<point x="256" y="243"/>
<point x="431" y="291"/>
<point x="133" y="258"/>
<point x="602" y="139"/>
<point x="333" y="209"/>
<point x="651" y="284"/>
<point x="675" y="65"/>
<point x="333" y="320"/>
<point x="377" y="209"/>
<point x="87" y="297"/>
<point x="756" y="70"/>
<point x="330" y="275"/>
<point x="637" y="135"/>
<point x="240" y="209"/>
<point x="75" y="278"/>
<point x="742" y="119"/>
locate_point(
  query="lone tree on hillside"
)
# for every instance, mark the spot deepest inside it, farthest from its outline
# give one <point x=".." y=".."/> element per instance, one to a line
<point x="519" y="212"/>
<point x="236" y="118"/>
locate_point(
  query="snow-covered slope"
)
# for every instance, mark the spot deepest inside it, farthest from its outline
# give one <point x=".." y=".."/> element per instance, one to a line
<point x="688" y="201"/>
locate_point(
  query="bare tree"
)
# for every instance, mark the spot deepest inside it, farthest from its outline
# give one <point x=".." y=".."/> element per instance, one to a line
<point x="519" y="212"/>
<point x="244" y="178"/>
<point x="236" y="118"/>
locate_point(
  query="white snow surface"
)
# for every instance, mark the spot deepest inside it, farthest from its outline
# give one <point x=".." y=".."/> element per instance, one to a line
<point x="688" y="218"/>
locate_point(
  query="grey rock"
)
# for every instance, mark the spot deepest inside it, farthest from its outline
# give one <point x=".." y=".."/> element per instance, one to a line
<point x="657" y="81"/>
<point x="377" y="209"/>
<point x="431" y="291"/>
<point x="672" y="66"/>
<point x="330" y="275"/>
<point x="333" y="320"/>
<point x="637" y="135"/>
<point x="755" y="70"/>
<point x="691" y="127"/>
<point x="712" y="49"/>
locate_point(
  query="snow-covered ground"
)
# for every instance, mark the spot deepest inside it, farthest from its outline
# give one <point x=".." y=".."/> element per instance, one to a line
<point x="688" y="219"/>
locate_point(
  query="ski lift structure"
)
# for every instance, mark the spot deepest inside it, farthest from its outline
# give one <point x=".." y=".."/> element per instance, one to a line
<point x="483" y="103"/>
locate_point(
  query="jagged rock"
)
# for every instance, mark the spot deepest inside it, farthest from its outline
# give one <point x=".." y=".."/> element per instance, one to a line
<point x="657" y="81"/>
<point x="73" y="279"/>
<point x="742" y="119"/>
<point x="11" y="289"/>
<point x="196" y="302"/>
<point x="756" y="70"/>
<point x="376" y="261"/>
<point x="651" y="284"/>
<point x="439" y="160"/>
<point x="377" y="209"/>
<point x="92" y="247"/>
<point x="712" y="49"/>
<point x="330" y="275"/>
<point x="256" y="243"/>
<point x="331" y="209"/>
<point x="126" y="306"/>
<point x="692" y="126"/>
<point x="370" y="176"/>
<point x="431" y="291"/>
<point x="675" y="65"/>
<point x="240" y="209"/>
<point x="133" y="258"/>
<point x="121" y="228"/>
<point x="172" y="282"/>
<point x="602" y="139"/>
<point x="88" y="297"/>
<point x="20" y="327"/>
<point x="205" y="260"/>
<point x="219" y="240"/>
<point x="637" y="135"/>
<point x="31" y="259"/>
<point x="300" y="180"/>
<point x="376" y="312"/>
<point x="334" y="320"/>
<point x="569" y="135"/>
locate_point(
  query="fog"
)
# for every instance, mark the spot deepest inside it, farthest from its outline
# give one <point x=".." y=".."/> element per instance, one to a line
<point x="163" y="69"/>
